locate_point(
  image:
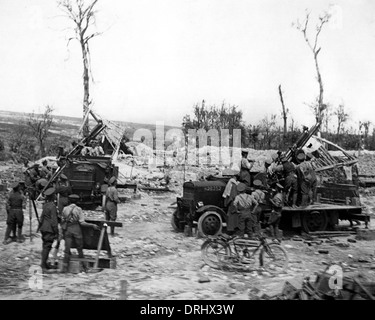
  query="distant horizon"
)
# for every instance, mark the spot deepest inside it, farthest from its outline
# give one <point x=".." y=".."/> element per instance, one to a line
<point x="91" y="119"/>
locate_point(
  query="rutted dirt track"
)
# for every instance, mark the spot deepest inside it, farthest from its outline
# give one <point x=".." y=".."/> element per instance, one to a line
<point x="158" y="263"/>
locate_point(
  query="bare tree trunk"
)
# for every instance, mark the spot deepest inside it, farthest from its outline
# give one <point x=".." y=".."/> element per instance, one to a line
<point x="319" y="78"/>
<point x="86" y="88"/>
<point x="285" y="117"/>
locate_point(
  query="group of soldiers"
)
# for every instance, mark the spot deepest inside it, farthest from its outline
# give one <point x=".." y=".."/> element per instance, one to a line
<point x="283" y="182"/>
<point x="61" y="217"/>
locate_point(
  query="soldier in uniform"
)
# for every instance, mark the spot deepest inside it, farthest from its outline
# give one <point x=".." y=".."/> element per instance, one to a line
<point x="71" y="222"/>
<point x="14" y="207"/>
<point x="304" y="173"/>
<point x="112" y="200"/>
<point x="277" y="202"/>
<point x="291" y="183"/>
<point x="48" y="226"/>
<point x="63" y="190"/>
<point x="259" y="197"/>
<point x="45" y="172"/>
<point x="245" y="167"/>
<point x="246" y="205"/>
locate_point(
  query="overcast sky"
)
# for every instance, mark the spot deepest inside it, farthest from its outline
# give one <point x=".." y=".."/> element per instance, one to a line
<point x="156" y="58"/>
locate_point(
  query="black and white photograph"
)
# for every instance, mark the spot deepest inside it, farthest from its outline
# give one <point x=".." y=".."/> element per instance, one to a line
<point x="187" y="155"/>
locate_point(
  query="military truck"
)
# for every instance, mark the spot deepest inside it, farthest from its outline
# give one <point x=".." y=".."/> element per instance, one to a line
<point x="202" y="203"/>
<point x="88" y="175"/>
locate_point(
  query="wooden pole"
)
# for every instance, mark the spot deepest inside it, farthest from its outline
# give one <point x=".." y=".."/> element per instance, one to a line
<point x="102" y="232"/>
<point x="123" y="290"/>
<point x="30" y="217"/>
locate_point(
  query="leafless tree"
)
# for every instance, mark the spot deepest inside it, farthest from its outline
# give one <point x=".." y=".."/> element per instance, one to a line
<point x="82" y="14"/>
<point x="40" y="125"/>
<point x="366" y="126"/>
<point x="312" y="43"/>
<point x="285" y="112"/>
<point x="342" y="117"/>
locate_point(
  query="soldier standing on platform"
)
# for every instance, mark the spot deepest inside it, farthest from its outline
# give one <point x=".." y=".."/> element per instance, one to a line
<point x="245" y="167"/>
<point x="71" y="222"/>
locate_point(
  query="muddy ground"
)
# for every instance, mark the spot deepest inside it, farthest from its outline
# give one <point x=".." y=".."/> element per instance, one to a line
<point x="159" y="263"/>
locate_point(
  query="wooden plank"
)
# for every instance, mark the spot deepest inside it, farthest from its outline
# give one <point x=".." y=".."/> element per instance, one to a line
<point x="109" y="223"/>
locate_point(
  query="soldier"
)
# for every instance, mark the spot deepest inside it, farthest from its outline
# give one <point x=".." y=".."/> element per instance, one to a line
<point x="14" y="207"/>
<point x="63" y="190"/>
<point x="35" y="173"/>
<point x="39" y="185"/>
<point x="259" y="196"/>
<point x="45" y="172"/>
<point x="229" y="194"/>
<point x="71" y="222"/>
<point x="31" y="177"/>
<point x="246" y="204"/>
<point x="245" y="167"/>
<point x="275" y="216"/>
<point x="291" y="183"/>
<point x="97" y="150"/>
<point x="112" y="200"/>
<point x="304" y="174"/>
<point x="48" y="226"/>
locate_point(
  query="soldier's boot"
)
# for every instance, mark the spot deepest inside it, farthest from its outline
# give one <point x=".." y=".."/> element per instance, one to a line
<point x="19" y="235"/>
<point x="277" y="233"/>
<point x="44" y="265"/>
<point x="272" y="231"/>
<point x="294" y="199"/>
<point x="305" y="200"/>
<point x="14" y="232"/>
<point x="7" y="238"/>
<point x="112" y="231"/>
<point x="64" y="267"/>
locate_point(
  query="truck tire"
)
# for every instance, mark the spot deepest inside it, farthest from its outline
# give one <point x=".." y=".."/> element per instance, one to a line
<point x="175" y="222"/>
<point x="209" y="224"/>
<point x="314" y="221"/>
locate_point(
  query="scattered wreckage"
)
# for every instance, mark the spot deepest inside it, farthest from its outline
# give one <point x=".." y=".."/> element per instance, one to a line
<point x="202" y="204"/>
<point x="328" y="285"/>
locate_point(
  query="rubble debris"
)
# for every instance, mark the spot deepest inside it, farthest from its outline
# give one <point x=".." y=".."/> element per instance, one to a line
<point x="364" y="259"/>
<point x="329" y="234"/>
<point x="365" y="234"/>
<point x="321" y="289"/>
<point x="323" y="251"/>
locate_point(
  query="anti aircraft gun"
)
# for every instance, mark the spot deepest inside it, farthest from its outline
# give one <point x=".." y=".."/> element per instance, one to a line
<point x="202" y="203"/>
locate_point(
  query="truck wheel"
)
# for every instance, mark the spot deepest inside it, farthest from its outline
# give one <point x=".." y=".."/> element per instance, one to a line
<point x="209" y="224"/>
<point x="175" y="222"/>
<point x="314" y="221"/>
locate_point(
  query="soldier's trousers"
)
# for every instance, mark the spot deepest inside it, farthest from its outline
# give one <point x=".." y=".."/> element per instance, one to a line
<point x="15" y="217"/>
<point x="247" y="222"/>
<point x="73" y="235"/>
